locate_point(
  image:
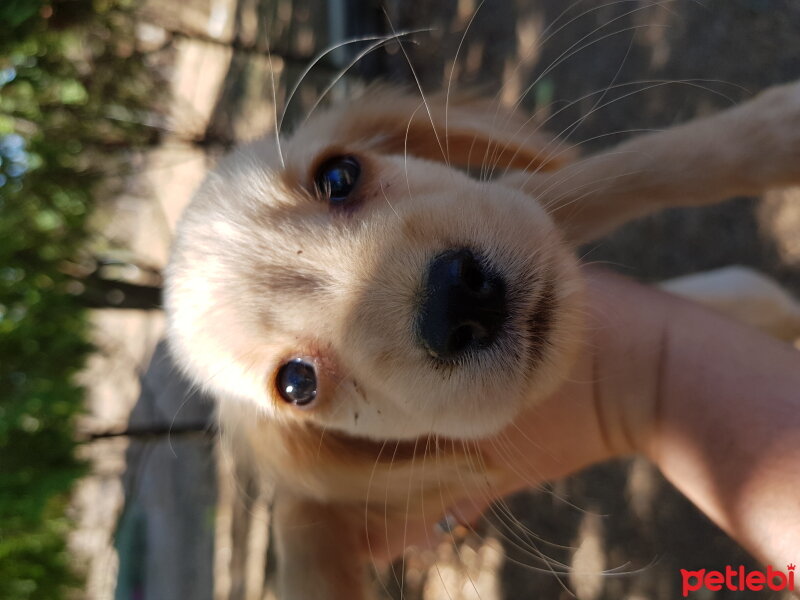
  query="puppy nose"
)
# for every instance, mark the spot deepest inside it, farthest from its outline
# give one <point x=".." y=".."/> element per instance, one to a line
<point x="463" y="305"/>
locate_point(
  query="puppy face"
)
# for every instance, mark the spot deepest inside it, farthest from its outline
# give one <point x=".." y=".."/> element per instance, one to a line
<point x="355" y="279"/>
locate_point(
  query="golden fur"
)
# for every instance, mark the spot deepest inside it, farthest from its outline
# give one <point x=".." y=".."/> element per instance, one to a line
<point x="263" y="271"/>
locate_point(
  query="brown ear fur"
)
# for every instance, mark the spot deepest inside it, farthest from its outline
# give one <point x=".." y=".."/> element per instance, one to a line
<point x="470" y="132"/>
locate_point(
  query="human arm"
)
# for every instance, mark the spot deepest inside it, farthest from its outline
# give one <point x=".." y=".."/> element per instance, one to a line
<point x="714" y="404"/>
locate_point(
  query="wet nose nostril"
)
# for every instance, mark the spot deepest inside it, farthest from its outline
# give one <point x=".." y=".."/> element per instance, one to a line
<point x="460" y="339"/>
<point x="463" y="305"/>
<point x="472" y="275"/>
<point x="467" y="335"/>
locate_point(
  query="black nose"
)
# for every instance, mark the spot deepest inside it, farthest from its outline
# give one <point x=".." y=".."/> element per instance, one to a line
<point x="463" y="305"/>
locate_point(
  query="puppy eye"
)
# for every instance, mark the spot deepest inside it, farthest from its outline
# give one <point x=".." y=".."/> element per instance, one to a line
<point x="297" y="382"/>
<point x="336" y="178"/>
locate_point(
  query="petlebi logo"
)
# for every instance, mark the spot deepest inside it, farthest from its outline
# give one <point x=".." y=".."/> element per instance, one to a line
<point x="738" y="580"/>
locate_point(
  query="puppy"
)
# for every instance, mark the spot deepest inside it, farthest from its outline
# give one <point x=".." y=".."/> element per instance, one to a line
<point x="363" y="303"/>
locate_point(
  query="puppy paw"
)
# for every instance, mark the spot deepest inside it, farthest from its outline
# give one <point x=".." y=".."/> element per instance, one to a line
<point x="773" y="136"/>
<point x="744" y="295"/>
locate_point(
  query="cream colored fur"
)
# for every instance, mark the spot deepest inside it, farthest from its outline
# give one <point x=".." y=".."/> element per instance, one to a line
<point x="264" y="271"/>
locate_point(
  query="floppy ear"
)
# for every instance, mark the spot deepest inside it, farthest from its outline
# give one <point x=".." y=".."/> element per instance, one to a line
<point x="470" y="132"/>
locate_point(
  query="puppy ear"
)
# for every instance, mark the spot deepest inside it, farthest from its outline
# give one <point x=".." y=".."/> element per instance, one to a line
<point x="469" y="132"/>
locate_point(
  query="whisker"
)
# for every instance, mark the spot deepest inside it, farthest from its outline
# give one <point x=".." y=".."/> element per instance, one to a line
<point x="499" y="150"/>
<point x="385" y="197"/>
<point x="277" y="123"/>
<point x="648" y="85"/>
<point x="322" y="55"/>
<point x="424" y="517"/>
<point x="450" y="78"/>
<point x="421" y="93"/>
<point x="547" y="35"/>
<point x="382" y="42"/>
<point x="367" y="514"/>
<point x="577" y="47"/>
<point x="499" y="508"/>
<point x="405" y="152"/>
<point x="605" y="91"/>
<point x="478" y="465"/>
<point x="634" y="92"/>
<point x="408" y="504"/>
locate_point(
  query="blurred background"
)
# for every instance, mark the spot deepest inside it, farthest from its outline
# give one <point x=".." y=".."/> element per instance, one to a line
<point x="111" y="111"/>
